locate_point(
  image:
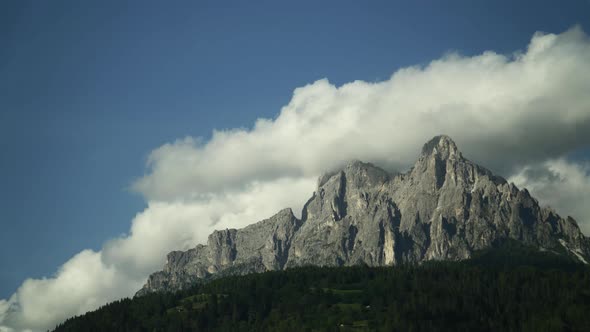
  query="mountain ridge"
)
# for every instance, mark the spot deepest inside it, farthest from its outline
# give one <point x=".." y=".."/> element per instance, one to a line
<point x="444" y="208"/>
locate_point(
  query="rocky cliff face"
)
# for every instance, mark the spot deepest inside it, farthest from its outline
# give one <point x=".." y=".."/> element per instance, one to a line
<point x="258" y="247"/>
<point x="444" y="208"/>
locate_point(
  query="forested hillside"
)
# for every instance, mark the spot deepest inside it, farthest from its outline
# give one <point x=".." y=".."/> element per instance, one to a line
<point x="513" y="288"/>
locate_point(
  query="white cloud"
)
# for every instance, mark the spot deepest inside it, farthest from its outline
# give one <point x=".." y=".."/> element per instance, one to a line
<point x="562" y="184"/>
<point x="91" y="279"/>
<point x="492" y="105"/>
<point x="78" y="286"/>
<point x="167" y="226"/>
<point x="506" y="112"/>
<point x="4" y="305"/>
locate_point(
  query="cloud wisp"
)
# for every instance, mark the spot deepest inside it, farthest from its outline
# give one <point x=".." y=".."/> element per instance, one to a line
<point x="518" y="114"/>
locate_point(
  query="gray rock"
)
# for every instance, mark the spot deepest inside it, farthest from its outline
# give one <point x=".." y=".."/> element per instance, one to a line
<point x="258" y="247"/>
<point x="444" y="208"/>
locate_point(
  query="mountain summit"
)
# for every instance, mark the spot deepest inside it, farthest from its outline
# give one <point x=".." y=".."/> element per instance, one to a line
<point x="444" y="208"/>
<point x="443" y="146"/>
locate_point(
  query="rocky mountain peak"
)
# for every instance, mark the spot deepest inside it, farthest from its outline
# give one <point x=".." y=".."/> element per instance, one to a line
<point x="443" y="147"/>
<point x="358" y="172"/>
<point x="445" y="208"/>
<point x="441" y="162"/>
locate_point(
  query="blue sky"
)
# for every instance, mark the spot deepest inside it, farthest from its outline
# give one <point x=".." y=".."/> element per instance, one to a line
<point x="88" y="90"/>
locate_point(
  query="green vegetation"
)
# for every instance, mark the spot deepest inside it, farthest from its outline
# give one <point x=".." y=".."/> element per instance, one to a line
<point x="499" y="290"/>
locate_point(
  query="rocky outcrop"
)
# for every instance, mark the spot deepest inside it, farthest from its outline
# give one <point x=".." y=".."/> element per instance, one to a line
<point x="444" y="208"/>
<point x="256" y="248"/>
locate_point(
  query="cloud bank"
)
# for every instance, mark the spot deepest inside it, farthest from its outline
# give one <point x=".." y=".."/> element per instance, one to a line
<point x="503" y="111"/>
<point x="519" y="114"/>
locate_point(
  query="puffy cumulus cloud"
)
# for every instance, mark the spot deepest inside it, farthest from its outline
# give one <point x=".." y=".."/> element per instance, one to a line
<point x="167" y="226"/>
<point x="564" y="185"/>
<point x="504" y="111"/>
<point x="91" y="279"/>
<point x="78" y="286"/>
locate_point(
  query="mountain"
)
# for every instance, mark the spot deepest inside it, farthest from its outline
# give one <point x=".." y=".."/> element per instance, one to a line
<point x="444" y="208"/>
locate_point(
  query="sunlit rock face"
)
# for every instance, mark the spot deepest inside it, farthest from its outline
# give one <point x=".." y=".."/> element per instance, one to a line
<point x="444" y="208"/>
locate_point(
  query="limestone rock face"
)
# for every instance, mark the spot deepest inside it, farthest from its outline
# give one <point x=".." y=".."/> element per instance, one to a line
<point x="348" y="221"/>
<point x="444" y="208"/>
<point x="258" y="247"/>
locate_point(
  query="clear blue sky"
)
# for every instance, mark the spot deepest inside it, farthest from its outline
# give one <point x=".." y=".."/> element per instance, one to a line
<point x="87" y="90"/>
